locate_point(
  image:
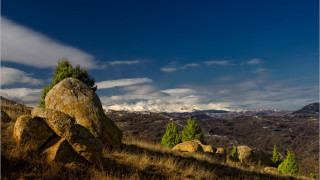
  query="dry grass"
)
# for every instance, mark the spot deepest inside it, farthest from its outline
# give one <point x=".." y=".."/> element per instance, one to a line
<point x="134" y="160"/>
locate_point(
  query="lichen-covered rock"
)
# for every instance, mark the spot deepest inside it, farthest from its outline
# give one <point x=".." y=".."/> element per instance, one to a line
<point x="221" y="154"/>
<point x="31" y="132"/>
<point x="58" y="121"/>
<point x="206" y="148"/>
<point x="271" y="170"/>
<point x="80" y="138"/>
<point x="79" y="101"/>
<point x="253" y="157"/>
<point x="220" y="151"/>
<point x="188" y="146"/>
<point x="62" y="152"/>
<point x="244" y="154"/>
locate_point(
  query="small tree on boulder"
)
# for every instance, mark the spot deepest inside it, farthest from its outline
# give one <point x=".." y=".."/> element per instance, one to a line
<point x="63" y="70"/>
<point x="192" y="131"/>
<point x="276" y="156"/>
<point x="171" y="137"/>
<point x="289" y="165"/>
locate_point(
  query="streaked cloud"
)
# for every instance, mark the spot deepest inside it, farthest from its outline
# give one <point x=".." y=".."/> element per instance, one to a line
<point x="168" y="69"/>
<point x="25" y="46"/>
<point x="190" y="65"/>
<point x="179" y="91"/>
<point x="122" y="82"/>
<point x="12" y="76"/>
<point x="125" y="62"/>
<point x="216" y="62"/>
<point x="254" y="61"/>
<point x="27" y="96"/>
<point x="171" y="67"/>
<point x="262" y="70"/>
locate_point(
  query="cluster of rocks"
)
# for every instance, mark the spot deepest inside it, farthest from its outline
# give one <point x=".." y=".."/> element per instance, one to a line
<point x="246" y="155"/>
<point x="73" y="124"/>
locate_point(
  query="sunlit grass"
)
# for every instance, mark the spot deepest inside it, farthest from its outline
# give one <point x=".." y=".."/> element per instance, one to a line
<point x="135" y="159"/>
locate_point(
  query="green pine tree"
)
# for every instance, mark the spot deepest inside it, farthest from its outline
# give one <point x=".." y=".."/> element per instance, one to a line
<point x="171" y="137"/>
<point x="289" y="165"/>
<point x="192" y="131"/>
<point x="234" y="153"/>
<point x="64" y="70"/>
<point x="276" y="156"/>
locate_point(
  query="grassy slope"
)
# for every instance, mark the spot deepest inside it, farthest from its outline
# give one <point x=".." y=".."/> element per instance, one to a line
<point x="134" y="160"/>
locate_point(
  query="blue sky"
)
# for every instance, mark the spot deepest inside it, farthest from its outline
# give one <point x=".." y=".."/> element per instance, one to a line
<point x="167" y="55"/>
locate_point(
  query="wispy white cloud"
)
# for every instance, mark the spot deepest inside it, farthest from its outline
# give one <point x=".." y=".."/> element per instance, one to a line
<point x="179" y="91"/>
<point x="190" y="65"/>
<point x="22" y="45"/>
<point x="12" y="75"/>
<point x="224" y="62"/>
<point x="262" y="70"/>
<point x="168" y="69"/>
<point x="27" y="96"/>
<point x="122" y="82"/>
<point x="253" y="61"/>
<point x="125" y="62"/>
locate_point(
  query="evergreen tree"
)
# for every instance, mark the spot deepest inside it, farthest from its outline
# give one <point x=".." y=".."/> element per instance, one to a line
<point x="234" y="154"/>
<point x="171" y="137"/>
<point x="64" y="70"/>
<point x="192" y="131"/>
<point x="276" y="156"/>
<point x="289" y="165"/>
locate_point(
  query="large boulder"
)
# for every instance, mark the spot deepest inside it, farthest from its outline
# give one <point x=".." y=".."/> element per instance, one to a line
<point x="79" y="101"/>
<point x="61" y="151"/>
<point x="80" y="138"/>
<point x="31" y="132"/>
<point x="188" y="146"/>
<point x="253" y="157"/>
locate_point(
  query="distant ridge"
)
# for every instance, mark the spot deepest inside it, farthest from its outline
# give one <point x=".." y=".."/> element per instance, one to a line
<point x="310" y="109"/>
<point x="14" y="109"/>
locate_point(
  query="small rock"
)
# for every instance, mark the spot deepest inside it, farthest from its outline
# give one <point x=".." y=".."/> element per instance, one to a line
<point x="253" y="157"/>
<point x="62" y="152"/>
<point x="271" y="170"/>
<point x="206" y="148"/>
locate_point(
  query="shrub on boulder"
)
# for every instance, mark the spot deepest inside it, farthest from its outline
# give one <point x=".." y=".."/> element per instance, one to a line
<point x="63" y="70"/>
